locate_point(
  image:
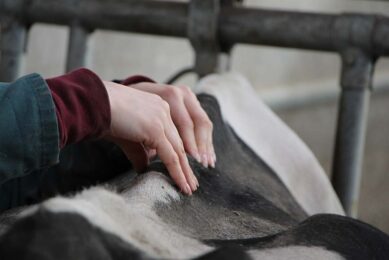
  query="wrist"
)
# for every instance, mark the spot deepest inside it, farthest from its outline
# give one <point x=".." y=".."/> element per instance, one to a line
<point x="82" y="106"/>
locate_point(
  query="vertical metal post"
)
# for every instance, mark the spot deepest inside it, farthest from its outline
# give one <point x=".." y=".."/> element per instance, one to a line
<point x="203" y="22"/>
<point x="223" y="62"/>
<point x="224" y="58"/>
<point x="77" y="47"/>
<point x="12" y="43"/>
<point x="202" y="33"/>
<point x="357" y="70"/>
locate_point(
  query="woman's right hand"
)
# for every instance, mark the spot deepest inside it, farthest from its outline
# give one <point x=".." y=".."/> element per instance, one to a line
<point x="140" y="122"/>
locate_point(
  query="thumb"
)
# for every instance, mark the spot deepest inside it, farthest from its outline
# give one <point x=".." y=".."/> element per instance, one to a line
<point x="136" y="153"/>
<point x="151" y="153"/>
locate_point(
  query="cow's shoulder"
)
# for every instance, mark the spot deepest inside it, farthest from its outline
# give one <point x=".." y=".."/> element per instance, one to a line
<point x="62" y="235"/>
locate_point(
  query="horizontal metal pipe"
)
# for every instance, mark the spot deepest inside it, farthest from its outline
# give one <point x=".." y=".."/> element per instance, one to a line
<point x="236" y="25"/>
<point x="277" y="28"/>
<point x="151" y="17"/>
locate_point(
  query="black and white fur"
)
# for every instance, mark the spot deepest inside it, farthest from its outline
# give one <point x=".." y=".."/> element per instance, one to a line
<point x="251" y="206"/>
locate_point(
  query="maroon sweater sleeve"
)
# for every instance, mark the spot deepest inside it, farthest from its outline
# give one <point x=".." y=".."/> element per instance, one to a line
<point x="83" y="110"/>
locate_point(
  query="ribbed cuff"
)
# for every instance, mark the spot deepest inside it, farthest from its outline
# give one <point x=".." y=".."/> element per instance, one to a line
<point x="82" y="103"/>
<point x="49" y="128"/>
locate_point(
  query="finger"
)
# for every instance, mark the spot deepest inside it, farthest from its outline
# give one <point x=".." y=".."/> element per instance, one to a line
<point x="185" y="127"/>
<point x="151" y="153"/>
<point x="210" y="150"/>
<point x="213" y="153"/>
<point x="172" y="162"/>
<point x="135" y="152"/>
<point x="201" y="139"/>
<point x="174" y="138"/>
<point x="181" y="118"/>
<point x="211" y="147"/>
<point x="202" y="127"/>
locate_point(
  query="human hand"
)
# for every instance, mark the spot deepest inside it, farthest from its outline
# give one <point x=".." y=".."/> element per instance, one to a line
<point x="192" y="122"/>
<point x="141" y="122"/>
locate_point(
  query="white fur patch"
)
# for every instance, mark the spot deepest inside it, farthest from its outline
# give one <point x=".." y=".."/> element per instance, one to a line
<point x="295" y="252"/>
<point x="273" y="141"/>
<point x="131" y="217"/>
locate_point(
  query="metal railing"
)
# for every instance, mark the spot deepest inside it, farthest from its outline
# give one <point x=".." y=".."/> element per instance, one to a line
<point x="214" y="27"/>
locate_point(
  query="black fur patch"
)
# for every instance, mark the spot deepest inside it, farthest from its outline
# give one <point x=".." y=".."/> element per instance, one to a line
<point x="240" y="205"/>
<point x="241" y="197"/>
<point x="62" y="236"/>
<point x="348" y="237"/>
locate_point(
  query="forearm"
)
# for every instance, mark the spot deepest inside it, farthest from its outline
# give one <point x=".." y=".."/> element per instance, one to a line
<point x="39" y="117"/>
<point x="82" y="106"/>
<point x="29" y="138"/>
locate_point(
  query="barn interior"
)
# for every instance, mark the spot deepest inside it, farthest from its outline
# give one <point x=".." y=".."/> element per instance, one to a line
<point x="304" y="80"/>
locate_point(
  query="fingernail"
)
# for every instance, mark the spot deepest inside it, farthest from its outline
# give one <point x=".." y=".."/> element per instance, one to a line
<point x="188" y="189"/>
<point x="204" y="160"/>
<point x="193" y="184"/>
<point x="212" y="163"/>
<point x="197" y="157"/>
<point x="210" y="160"/>
<point x="197" y="182"/>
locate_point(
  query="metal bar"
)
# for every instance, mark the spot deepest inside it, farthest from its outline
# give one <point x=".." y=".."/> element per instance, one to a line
<point x="12" y="43"/>
<point x="202" y="33"/>
<point x="352" y="121"/>
<point x="151" y="17"/>
<point x="77" y="47"/>
<point x="179" y="74"/>
<point x="224" y="62"/>
<point x="235" y="24"/>
<point x="277" y="28"/>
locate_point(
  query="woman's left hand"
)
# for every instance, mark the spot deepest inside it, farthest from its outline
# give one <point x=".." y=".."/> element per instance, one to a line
<point x="192" y="122"/>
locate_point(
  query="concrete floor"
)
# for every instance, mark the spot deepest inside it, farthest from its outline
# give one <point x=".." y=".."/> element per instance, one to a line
<point x="316" y="126"/>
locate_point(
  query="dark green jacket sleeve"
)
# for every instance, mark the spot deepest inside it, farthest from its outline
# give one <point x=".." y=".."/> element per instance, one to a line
<point x="29" y="138"/>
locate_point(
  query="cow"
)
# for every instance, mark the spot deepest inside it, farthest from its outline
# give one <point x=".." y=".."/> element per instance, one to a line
<point x="267" y="198"/>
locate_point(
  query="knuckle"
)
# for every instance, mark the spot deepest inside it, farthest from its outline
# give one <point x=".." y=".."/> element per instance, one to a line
<point x="210" y="125"/>
<point x="190" y="94"/>
<point x="165" y="105"/>
<point x="158" y="100"/>
<point x="157" y="131"/>
<point x="187" y="123"/>
<point x="172" y="92"/>
<point x="156" y="97"/>
<point x="173" y="160"/>
<point x="205" y="122"/>
<point x="187" y="90"/>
